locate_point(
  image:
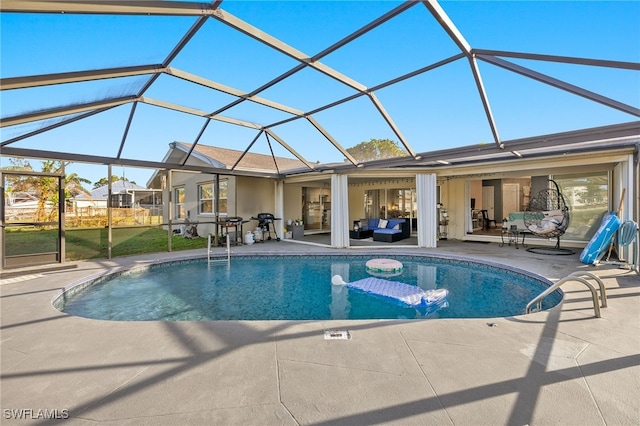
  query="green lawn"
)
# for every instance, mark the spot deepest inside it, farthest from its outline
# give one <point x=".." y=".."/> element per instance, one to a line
<point x="92" y="243"/>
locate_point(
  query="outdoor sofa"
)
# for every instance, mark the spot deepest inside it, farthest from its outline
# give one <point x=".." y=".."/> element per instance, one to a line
<point x="387" y="230"/>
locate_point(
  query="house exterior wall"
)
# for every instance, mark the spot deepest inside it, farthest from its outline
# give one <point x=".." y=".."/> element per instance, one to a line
<point x="249" y="196"/>
<point x="292" y="202"/>
<point x="253" y="196"/>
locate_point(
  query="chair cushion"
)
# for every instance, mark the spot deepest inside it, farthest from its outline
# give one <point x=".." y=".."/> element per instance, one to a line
<point x="393" y="222"/>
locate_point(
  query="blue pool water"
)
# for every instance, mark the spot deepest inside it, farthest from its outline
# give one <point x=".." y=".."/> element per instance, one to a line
<point x="297" y="288"/>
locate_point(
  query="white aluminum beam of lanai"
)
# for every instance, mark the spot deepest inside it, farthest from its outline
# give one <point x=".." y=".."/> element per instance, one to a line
<point x="26" y="82"/>
<point x="107" y="7"/>
<point x="314" y="62"/>
<point x="559" y="84"/>
<point x="126" y="162"/>
<point x="205" y="10"/>
<point x="158" y="8"/>
<point x="445" y="22"/>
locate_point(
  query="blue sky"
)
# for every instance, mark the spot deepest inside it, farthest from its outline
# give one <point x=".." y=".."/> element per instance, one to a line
<point x="435" y="110"/>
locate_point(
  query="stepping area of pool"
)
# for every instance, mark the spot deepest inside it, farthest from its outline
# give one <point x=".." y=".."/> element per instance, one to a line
<point x="561" y="366"/>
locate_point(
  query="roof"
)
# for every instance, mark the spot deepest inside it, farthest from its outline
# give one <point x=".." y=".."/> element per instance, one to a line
<point x="102" y="192"/>
<point x="273" y="78"/>
<point x="224" y="157"/>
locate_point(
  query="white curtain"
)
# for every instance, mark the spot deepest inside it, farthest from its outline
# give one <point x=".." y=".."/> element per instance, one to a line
<point x="467" y="205"/>
<point x="426" y="188"/>
<point x="339" y="211"/>
<point x="279" y="207"/>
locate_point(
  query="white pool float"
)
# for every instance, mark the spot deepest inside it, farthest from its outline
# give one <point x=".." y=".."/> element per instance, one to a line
<point x="384" y="267"/>
<point x="410" y="295"/>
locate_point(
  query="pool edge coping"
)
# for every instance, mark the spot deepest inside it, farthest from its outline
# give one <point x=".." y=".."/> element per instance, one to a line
<point x="76" y="286"/>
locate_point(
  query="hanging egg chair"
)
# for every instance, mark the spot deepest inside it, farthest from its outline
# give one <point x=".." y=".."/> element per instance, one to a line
<point x="547" y="216"/>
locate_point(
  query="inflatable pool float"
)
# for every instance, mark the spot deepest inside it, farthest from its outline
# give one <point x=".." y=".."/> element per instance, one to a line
<point x="384" y="267"/>
<point x="406" y="294"/>
<point x="602" y="239"/>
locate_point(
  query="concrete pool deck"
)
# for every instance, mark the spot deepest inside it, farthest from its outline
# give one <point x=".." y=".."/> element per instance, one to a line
<point x="561" y="366"/>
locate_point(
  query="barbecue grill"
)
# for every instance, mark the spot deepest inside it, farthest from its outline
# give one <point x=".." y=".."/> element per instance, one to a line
<point x="265" y="220"/>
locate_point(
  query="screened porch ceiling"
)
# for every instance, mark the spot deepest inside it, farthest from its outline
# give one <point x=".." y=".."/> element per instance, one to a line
<point x="119" y="81"/>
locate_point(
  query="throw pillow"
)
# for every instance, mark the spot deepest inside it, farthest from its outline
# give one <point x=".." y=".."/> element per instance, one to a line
<point x="397" y="226"/>
<point x="382" y="223"/>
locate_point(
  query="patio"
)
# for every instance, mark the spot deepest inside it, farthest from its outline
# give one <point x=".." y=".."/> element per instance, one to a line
<point x="561" y="366"/>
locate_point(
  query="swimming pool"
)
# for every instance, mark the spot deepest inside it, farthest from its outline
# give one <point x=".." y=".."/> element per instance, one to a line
<point x="296" y="288"/>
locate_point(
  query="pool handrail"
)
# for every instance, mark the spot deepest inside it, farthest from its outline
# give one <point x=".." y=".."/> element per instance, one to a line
<point x="209" y="248"/>
<point x="575" y="276"/>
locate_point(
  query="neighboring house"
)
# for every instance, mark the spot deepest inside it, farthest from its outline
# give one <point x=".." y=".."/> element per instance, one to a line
<point x="22" y="206"/>
<point x="124" y="194"/>
<point x="592" y="166"/>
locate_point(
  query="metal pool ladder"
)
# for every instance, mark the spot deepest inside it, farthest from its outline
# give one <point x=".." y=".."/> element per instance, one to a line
<point x="209" y="249"/>
<point x="580" y="277"/>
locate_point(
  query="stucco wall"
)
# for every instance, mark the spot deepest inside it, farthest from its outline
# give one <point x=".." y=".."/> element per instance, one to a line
<point x="254" y="195"/>
<point x="292" y="202"/>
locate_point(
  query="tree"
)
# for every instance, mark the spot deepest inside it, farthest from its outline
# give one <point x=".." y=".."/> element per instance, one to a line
<point x="377" y="149"/>
<point x="103" y="181"/>
<point x="73" y="185"/>
<point x="18" y="183"/>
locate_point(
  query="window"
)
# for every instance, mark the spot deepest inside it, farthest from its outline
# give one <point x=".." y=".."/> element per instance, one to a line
<point x="401" y="203"/>
<point x="206" y="198"/>
<point x="222" y="202"/>
<point x="588" y="198"/>
<point x="180" y="198"/>
<point x="121" y="200"/>
<point x="390" y="203"/>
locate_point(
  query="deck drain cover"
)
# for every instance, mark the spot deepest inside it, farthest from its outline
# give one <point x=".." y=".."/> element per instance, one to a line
<point x="337" y="335"/>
